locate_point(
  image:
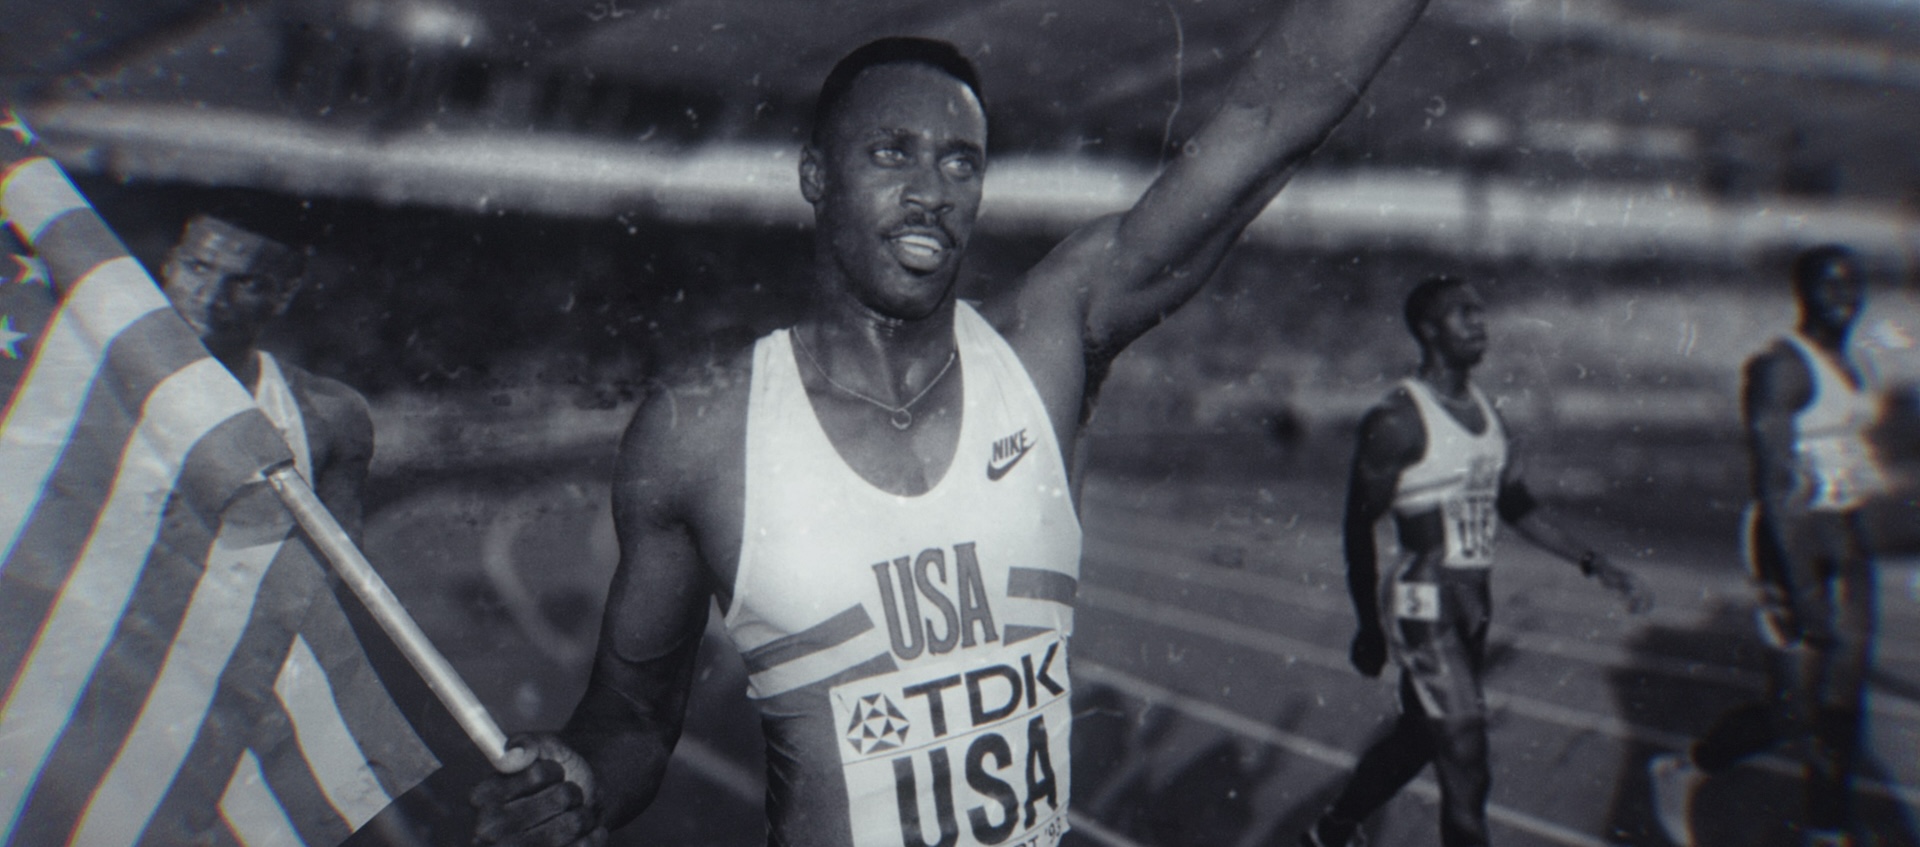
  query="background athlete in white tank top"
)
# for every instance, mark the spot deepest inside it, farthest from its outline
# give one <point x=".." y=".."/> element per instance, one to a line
<point x="894" y="170"/>
<point x="229" y="283"/>
<point x="1436" y="455"/>
<point x="1808" y="408"/>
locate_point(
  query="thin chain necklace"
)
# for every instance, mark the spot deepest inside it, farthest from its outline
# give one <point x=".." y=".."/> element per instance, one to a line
<point x="899" y="416"/>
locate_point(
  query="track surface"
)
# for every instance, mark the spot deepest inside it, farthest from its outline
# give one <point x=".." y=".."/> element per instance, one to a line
<point x="1215" y="705"/>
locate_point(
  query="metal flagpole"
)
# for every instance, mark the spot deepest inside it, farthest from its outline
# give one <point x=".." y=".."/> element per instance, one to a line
<point x="359" y="574"/>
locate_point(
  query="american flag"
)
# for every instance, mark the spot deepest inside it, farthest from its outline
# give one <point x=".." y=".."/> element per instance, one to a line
<point x="178" y="665"/>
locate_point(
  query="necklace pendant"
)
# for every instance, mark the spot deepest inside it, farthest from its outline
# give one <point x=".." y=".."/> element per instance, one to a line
<point x="901" y="419"/>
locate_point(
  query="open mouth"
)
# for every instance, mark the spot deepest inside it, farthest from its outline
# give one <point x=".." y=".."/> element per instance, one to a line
<point x="918" y="251"/>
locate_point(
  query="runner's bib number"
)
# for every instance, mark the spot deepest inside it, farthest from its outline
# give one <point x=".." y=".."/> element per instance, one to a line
<point x="1471" y="525"/>
<point x="1416" y="601"/>
<point x="974" y="757"/>
<point x="1472" y="520"/>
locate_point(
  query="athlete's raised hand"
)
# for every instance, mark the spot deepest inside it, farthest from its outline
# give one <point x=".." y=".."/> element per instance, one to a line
<point x="1369" y="651"/>
<point x="548" y="803"/>
<point x="1638" y="596"/>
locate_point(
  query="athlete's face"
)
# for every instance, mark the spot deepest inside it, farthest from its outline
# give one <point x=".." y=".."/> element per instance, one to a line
<point x="1456" y="327"/>
<point x="895" y="186"/>
<point x="1834" y="297"/>
<point x="226" y="282"/>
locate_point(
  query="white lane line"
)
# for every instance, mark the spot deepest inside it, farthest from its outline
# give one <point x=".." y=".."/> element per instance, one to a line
<point x="713" y="766"/>
<point x="1291" y="650"/>
<point x="1900" y="578"/>
<point x="1140" y="538"/>
<point x="739" y="781"/>
<point x="1097" y="831"/>
<point x="1308" y="748"/>
<point x="1601" y="654"/>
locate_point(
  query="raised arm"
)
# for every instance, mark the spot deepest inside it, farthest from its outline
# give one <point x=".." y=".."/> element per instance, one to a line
<point x="605" y="766"/>
<point x="1119" y="276"/>
<point x="1390" y="441"/>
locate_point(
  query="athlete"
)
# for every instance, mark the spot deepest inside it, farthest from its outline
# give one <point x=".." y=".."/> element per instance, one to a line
<point x="879" y="497"/>
<point x="1809" y="410"/>
<point x="1437" y="455"/>
<point x="229" y="283"/>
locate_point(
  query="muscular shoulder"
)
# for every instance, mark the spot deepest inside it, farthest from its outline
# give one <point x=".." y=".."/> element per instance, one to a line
<point x="1391" y="431"/>
<point x="332" y="409"/>
<point x="1776" y="356"/>
<point x="1778" y="378"/>
<point x="690" y="431"/>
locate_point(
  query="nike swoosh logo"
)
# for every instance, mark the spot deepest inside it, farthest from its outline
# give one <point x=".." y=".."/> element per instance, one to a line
<point x="996" y="470"/>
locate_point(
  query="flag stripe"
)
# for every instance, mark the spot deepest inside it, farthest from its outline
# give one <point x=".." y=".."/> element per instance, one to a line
<point x="215" y="618"/>
<point x="135" y="361"/>
<point x="397" y="756"/>
<point x="28" y="308"/>
<point x="162" y="682"/>
<point x="121" y="682"/>
<point x="291" y="776"/>
<point x="422" y="710"/>
<point x="70" y="519"/>
<point x="76" y="242"/>
<point x="222" y="835"/>
<point x="111" y="702"/>
<point x="244" y="695"/>
<point x="1040" y="584"/>
<point x="47" y="405"/>
<point x="251" y="810"/>
<point x="832" y="632"/>
<point x="338" y="763"/>
<point x="74" y="635"/>
<point x="77" y="489"/>
<point x="34" y="193"/>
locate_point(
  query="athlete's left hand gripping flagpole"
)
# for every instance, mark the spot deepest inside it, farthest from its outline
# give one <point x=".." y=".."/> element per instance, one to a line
<point x="34" y="191"/>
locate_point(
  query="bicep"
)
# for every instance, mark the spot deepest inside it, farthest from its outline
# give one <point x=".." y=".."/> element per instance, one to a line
<point x="1370" y="488"/>
<point x="1774" y="388"/>
<point x="660" y="588"/>
<point x="1390" y="440"/>
<point x="634" y="706"/>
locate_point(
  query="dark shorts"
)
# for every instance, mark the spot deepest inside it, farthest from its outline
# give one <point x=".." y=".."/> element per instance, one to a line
<point x="1439" y="633"/>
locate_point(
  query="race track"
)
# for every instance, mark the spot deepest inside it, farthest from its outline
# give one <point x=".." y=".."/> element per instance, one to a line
<point x="1213" y="698"/>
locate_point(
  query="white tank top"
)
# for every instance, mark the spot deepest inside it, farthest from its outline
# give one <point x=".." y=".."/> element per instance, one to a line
<point x="1834" y="462"/>
<point x="275" y="399"/>
<point x="1459" y="474"/>
<point x="908" y="654"/>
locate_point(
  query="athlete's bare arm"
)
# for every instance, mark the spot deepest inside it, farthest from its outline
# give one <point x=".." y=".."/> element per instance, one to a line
<point x="1775" y="387"/>
<point x="1120" y="275"/>
<point x="676" y="505"/>
<point x="1391" y="440"/>
<point x="1518" y="508"/>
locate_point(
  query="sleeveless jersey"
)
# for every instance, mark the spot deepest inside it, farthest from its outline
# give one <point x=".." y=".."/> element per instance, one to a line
<point x="908" y="654"/>
<point x="1459" y="474"/>
<point x="1833" y="460"/>
<point x="276" y="400"/>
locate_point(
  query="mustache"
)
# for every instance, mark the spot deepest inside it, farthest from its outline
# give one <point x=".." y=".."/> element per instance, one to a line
<point x="922" y="222"/>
